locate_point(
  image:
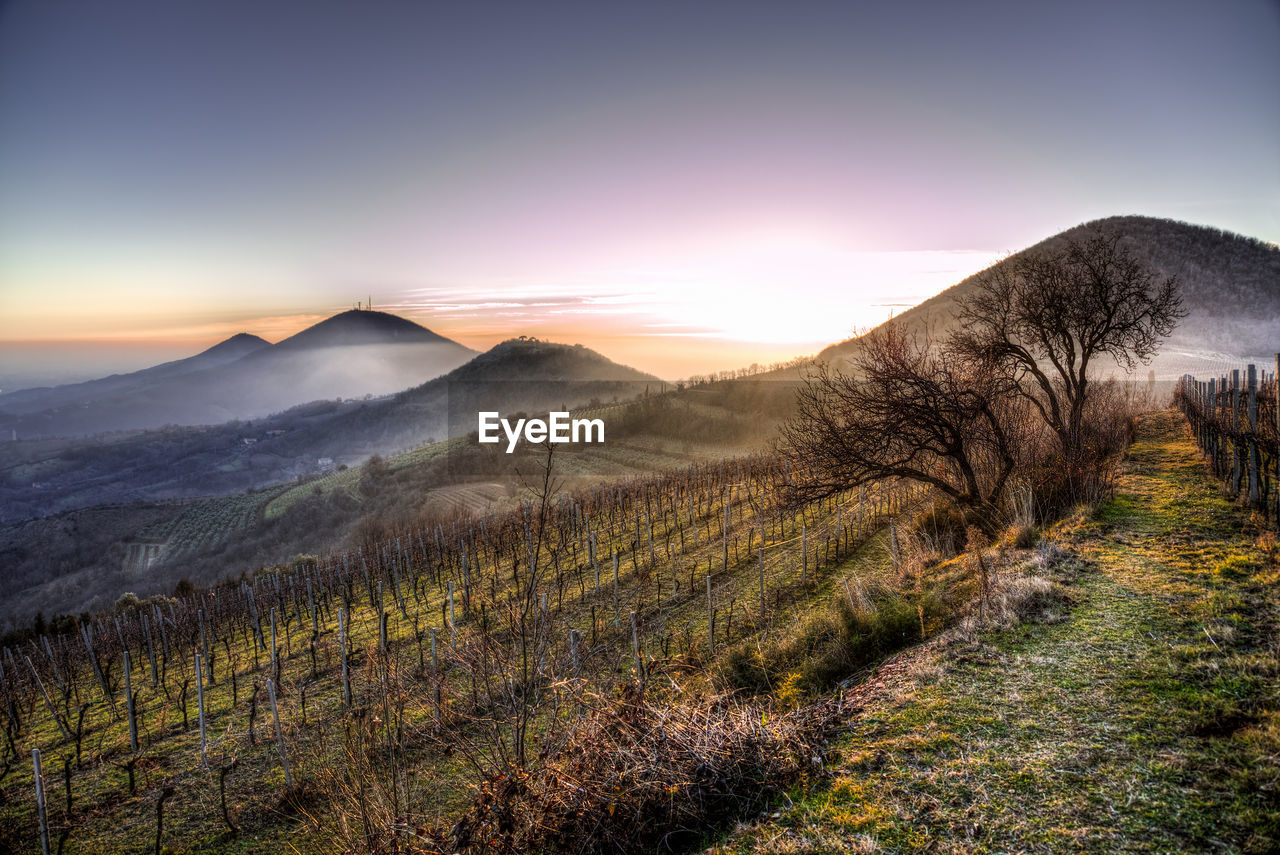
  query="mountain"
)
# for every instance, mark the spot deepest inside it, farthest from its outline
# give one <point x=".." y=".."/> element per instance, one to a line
<point x="55" y="475"/>
<point x="1230" y="284"/>
<point x="350" y="355"/>
<point x="28" y="401"/>
<point x="360" y="327"/>
<point x="200" y="494"/>
<point x="518" y="375"/>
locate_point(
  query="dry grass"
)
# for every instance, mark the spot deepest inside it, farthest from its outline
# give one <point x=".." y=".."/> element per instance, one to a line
<point x="1133" y="708"/>
<point x="637" y="776"/>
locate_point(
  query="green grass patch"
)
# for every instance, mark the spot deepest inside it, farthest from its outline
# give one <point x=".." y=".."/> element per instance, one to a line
<point x="1146" y="720"/>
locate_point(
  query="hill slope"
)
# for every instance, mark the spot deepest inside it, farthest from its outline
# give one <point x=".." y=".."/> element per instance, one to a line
<point x="81" y="485"/>
<point x="49" y="476"/>
<point x="514" y="376"/>
<point x="1134" y="710"/>
<point x="1139" y="719"/>
<point x="27" y="401"/>
<point x="352" y="354"/>
<point x="360" y="327"/>
<point x="1230" y="284"/>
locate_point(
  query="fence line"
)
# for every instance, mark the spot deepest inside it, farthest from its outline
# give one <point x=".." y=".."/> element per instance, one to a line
<point x="1236" y="421"/>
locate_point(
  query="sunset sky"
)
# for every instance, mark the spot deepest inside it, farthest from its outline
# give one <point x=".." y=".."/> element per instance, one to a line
<point x="682" y="186"/>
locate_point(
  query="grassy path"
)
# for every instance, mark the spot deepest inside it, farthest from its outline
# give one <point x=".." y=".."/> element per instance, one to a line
<point x="1140" y="714"/>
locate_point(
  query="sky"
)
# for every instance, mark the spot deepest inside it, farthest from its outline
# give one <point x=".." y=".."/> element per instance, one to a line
<point x="684" y="187"/>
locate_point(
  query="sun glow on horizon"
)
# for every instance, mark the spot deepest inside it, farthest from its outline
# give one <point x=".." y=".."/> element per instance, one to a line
<point x="760" y="296"/>
<point x="751" y="181"/>
<point x="770" y="289"/>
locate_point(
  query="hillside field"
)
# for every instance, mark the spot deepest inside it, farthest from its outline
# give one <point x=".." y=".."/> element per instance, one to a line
<point x="1146" y="657"/>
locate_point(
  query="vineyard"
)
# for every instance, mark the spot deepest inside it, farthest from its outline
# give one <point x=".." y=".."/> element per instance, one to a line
<point x="209" y="522"/>
<point x="630" y="450"/>
<point x="1236" y="421"/>
<point x="364" y="697"/>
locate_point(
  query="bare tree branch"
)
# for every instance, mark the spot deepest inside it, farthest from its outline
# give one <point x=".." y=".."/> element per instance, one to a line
<point x="907" y="411"/>
<point x="1044" y="319"/>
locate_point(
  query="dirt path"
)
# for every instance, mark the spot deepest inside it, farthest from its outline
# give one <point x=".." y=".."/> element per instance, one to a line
<point x="1139" y="715"/>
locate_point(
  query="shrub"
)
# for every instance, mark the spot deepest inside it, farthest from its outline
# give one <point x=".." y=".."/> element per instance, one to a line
<point x="867" y="636"/>
<point x="942" y="526"/>
<point x="743" y="667"/>
<point x="791" y="692"/>
<point x="639" y="776"/>
<point x="833" y="644"/>
<point x="126" y="601"/>
<point x="1021" y="536"/>
<point x="301" y="563"/>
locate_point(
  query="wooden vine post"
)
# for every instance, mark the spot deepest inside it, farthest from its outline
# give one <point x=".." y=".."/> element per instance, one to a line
<point x="40" y="806"/>
<point x="204" y="760"/>
<point x="342" y="654"/>
<point x="275" y="715"/>
<point x="1255" y="449"/>
<point x="635" y="648"/>
<point x="804" y="556"/>
<point x="762" y="585"/>
<point x="711" y="620"/>
<point x="128" y="700"/>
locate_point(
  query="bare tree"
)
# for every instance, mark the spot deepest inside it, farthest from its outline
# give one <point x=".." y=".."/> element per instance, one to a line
<point x="1043" y="319"/>
<point x="510" y="657"/>
<point x="907" y="411"/>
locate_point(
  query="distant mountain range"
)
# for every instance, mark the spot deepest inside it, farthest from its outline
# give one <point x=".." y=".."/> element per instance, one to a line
<point x="73" y="510"/>
<point x="54" y="475"/>
<point x="28" y="401"/>
<point x="1230" y="284"/>
<point x="518" y="375"/>
<point x="352" y="354"/>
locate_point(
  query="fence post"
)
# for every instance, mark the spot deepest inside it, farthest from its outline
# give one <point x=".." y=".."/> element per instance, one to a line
<point x="1224" y="401"/>
<point x="1255" y="457"/>
<point x="275" y="661"/>
<point x="97" y="670"/>
<point x="204" y="761"/>
<point x="1198" y="397"/>
<point x="804" y="556"/>
<point x="595" y="563"/>
<point x="128" y="700"/>
<point x="151" y="651"/>
<point x="635" y="648"/>
<point x="275" y="715"/>
<point x="40" y="809"/>
<point x="1211" y="424"/>
<point x="711" y="624"/>
<point x="761" y="583"/>
<point x="204" y="645"/>
<point x="342" y="654"/>
<point x="725" y="529"/>
<point x="453" y="631"/>
<point x="311" y="604"/>
<point x="1237" y="449"/>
